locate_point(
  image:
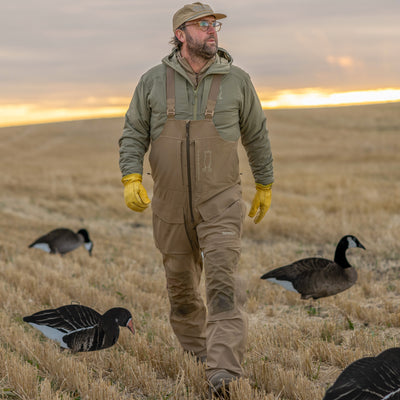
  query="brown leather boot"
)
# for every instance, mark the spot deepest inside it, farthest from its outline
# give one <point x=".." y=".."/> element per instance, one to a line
<point x="219" y="384"/>
<point x="201" y="360"/>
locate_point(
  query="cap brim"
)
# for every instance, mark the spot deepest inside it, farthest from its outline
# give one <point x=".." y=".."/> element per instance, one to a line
<point x="207" y="14"/>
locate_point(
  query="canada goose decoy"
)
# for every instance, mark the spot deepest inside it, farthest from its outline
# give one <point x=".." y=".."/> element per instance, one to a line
<point x="318" y="277"/>
<point x="80" y="328"/>
<point x="369" y="378"/>
<point x="63" y="240"/>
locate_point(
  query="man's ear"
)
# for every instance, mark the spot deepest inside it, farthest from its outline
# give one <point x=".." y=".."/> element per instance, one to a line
<point x="180" y="35"/>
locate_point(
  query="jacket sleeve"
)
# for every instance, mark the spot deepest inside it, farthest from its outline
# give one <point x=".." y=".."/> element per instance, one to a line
<point x="254" y="133"/>
<point x="135" y="139"/>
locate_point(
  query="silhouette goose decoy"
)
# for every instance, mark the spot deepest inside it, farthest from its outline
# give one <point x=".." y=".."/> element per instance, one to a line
<point x="80" y="328"/>
<point x="369" y="378"/>
<point x="318" y="277"/>
<point x="63" y="240"/>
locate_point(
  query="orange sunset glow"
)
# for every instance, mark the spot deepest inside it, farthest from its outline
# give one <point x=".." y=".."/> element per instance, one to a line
<point x="323" y="98"/>
<point x="25" y="114"/>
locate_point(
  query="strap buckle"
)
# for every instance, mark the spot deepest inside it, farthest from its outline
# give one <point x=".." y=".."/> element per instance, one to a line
<point x="209" y="114"/>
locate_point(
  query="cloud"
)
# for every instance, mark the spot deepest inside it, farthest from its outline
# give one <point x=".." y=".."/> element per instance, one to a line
<point x="341" y="61"/>
<point x="100" y="48"/>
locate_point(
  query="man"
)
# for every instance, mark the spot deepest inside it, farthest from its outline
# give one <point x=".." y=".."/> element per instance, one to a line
<point x="192" y="109"/>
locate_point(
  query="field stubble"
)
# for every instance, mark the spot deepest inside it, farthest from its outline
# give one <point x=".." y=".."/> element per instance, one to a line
<point x="337" y="171"/>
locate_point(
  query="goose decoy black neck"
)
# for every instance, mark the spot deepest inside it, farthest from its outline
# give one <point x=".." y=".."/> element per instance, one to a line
<point x="86" y="240"/>
<point x="346" y="242"/>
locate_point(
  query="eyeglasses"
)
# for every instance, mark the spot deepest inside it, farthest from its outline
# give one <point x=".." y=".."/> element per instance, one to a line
<point x="205" y="25"/>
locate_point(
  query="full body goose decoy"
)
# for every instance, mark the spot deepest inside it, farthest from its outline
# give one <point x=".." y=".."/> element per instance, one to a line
<point x="318" y="277"/>
<point x="80" y="328"/>
<point x="369" y="378"/>
<point x="63" y="240"/>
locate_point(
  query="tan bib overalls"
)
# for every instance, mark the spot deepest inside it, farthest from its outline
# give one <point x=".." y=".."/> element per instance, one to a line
<point x="197" y="210"/>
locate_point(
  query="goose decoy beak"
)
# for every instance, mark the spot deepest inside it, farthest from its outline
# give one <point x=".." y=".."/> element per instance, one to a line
<point x="129" y="325"/>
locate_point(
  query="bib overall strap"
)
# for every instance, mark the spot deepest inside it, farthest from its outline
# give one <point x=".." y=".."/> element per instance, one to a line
<point x="170" y="93"/>
<point x="212" y="96"/>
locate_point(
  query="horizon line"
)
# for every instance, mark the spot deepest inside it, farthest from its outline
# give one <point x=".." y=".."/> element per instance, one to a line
<point x="32" y="114"/>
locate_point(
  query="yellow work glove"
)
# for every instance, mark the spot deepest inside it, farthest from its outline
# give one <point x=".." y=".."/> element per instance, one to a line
<point x="134" y="192"/>
<point x="261" y="202"/>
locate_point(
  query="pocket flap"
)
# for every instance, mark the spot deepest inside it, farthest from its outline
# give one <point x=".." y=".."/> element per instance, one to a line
<point x="219" y="203"/>
<point x="169" y="207"/>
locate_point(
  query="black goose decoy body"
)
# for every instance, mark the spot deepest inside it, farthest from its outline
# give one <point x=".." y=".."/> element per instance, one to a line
<point x="318" y="277"/>
<point x="63" y="240"/>
<point x="80" y="328"/>
<point x="369" y="378"/>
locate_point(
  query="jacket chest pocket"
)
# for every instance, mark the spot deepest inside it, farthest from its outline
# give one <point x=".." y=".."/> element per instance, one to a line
<point x="216" y="162"/>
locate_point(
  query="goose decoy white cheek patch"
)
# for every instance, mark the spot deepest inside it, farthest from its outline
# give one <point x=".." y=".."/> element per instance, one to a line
<point x="352" y="243"/>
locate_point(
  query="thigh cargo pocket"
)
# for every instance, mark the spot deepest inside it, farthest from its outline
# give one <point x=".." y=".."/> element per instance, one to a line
<point x="170" y="238"/>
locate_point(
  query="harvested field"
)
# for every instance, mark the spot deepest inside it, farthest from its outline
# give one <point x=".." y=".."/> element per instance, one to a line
<point x="337" y="172"/>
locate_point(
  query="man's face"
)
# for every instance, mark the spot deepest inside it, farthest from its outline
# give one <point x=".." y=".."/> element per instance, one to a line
<point x="201" y="43"/>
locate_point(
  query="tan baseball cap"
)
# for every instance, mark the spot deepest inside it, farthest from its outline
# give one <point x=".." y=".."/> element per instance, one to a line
<point x="190" y="12"/>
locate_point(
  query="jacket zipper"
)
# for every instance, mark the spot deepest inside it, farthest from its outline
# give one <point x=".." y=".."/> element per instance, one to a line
<point x="195" y="104"/>
<point x="188" y="169"/>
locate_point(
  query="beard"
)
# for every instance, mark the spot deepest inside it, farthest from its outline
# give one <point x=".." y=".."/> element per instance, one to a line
<point x="203" y="50"/>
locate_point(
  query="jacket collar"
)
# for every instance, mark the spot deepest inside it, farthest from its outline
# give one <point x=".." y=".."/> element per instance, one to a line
<point x="221" y="64"/>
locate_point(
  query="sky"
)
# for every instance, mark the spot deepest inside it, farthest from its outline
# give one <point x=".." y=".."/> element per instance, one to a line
<point x="74" y="59"/>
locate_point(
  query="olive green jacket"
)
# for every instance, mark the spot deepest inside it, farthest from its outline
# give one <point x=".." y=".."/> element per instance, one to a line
<point x="238" y="113"/>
